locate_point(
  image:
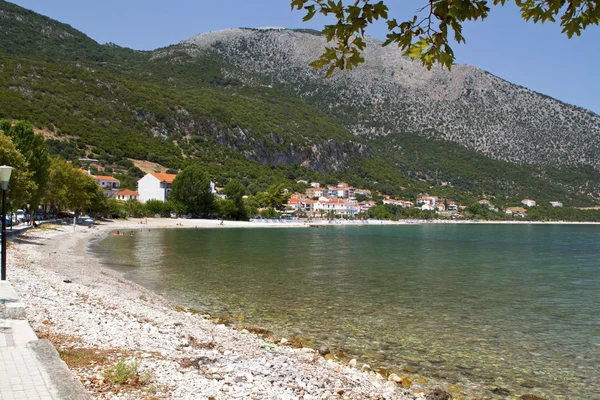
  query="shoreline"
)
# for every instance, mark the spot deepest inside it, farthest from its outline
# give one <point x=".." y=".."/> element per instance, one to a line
<point x="85" y="308"/>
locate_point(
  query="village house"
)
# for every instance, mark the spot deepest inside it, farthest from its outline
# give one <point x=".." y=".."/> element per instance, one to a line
<point x="126" y="195"/>
<point x="314" y="207"/>
<point x="428" y="207"/>
<point x="342" y="191"/>
<point x="427" y="200"/>
<point x="108" y="184"/>
<point x="341" y="207"/>
<point x="556" y="204"/>
<point x="451" y="206"/>
<point x="516" y="211"/>
<point x="294" y="204"/>
<point x="399" y="203"/>
<point x="528" y="202"/>
<point x="155" y="186"/>
<point x="366" y="205"/>
<point x="485" y="202"/>
<point x="315" y="192"/>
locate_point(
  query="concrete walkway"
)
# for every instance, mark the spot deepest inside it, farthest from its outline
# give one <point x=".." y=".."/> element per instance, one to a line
<point x="30" y="368"/>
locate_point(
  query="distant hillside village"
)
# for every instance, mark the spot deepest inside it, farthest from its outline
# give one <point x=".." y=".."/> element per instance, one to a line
<point x="342" y="200"/>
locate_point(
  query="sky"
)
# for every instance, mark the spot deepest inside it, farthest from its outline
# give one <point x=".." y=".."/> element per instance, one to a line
<point x="535" y="56"/>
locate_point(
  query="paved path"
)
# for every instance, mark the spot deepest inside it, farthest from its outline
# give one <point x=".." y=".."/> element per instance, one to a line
<point x="30" y="369"/>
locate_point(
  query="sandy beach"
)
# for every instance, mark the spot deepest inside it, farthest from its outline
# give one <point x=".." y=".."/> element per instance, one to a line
<point x="95" y="318"/>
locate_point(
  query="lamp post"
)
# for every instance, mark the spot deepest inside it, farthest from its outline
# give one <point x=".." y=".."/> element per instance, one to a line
<point x="5" y="172"/>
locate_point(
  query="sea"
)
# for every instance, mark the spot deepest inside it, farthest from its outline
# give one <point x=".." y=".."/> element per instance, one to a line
<point x="480" y="309"/>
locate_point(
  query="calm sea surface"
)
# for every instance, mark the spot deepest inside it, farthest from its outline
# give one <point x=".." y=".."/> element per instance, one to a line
<point x="478" y="306"/>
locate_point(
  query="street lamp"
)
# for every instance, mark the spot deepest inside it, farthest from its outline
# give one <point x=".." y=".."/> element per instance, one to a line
<point x="5" y="172"/>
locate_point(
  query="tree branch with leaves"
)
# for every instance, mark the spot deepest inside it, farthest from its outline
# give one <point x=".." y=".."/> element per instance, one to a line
<point x="427" y="35"/>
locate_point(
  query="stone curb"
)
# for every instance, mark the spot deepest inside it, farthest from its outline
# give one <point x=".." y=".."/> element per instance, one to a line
<point x="65" y="382"/>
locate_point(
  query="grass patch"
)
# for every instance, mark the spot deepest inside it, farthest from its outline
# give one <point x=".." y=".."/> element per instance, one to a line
<point x="126" y="373"/>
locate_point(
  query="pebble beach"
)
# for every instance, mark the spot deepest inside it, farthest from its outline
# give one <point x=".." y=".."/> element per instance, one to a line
<point x="96" y="319"/>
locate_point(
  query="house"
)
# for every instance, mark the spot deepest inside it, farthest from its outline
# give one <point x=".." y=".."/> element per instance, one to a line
<point x="314" y="192"/>
<point x="516" y="211"/>
<point x="556" y="204"/>
<point x="366" y="205"/>
<point x="342" y="190"/>
<point x="341" y="207"/>
<point x="127" y="195"/>
<point x="155" y="186"/>
<point x="313" y="207"/>
<point x="428" y="200"/>
<point x="451" y="206"/>
<point x="294" y="204"/>
<point x="399" y="203"/>
<point x="528" y="202"/>
<point x="484" y="202"/>
<point x="428" y="207"/>
<point x="440" y="207"/>
<point x="107" y="183"/>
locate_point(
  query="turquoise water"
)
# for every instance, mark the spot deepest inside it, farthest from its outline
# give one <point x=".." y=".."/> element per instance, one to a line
<point x="472" y="307"/>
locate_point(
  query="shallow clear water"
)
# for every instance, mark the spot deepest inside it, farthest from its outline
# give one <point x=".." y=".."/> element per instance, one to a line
<point x="477" y="306"/>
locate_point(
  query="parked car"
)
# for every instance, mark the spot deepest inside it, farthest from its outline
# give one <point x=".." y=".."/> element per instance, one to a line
<point x="9" y="221"/>
<point x="20" y="215"/>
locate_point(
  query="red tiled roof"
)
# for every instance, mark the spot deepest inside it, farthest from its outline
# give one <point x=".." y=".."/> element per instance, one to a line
<point x="105" y="178"/>
<point x="127" y="192"/>
<point x="164" y="177"/>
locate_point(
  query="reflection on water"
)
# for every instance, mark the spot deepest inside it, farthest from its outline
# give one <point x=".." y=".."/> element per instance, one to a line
<point x="477" y="306"/>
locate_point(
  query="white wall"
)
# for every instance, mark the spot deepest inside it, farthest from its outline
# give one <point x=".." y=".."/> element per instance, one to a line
<point x="149" y="188"/>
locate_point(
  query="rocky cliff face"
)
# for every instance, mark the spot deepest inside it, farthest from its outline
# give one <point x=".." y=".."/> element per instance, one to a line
<point x="391" y="93"/>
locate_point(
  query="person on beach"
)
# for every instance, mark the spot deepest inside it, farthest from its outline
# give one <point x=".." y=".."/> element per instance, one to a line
<point x="221" y="221"/>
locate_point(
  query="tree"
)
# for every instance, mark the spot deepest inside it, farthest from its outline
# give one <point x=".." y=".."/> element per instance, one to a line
<point x="426" y="35"/>
<point x="191" y="187"/>
<point x="233" y="207"/>
<point x="68" y="187"/>
<point x="56" y="187"/>
<point x="34" y="149"/>
<point x="21" y="186"/>
<point x="274" y="197"/>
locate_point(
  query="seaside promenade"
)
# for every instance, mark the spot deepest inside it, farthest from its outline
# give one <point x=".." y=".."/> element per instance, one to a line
<point x="30" y="368"/>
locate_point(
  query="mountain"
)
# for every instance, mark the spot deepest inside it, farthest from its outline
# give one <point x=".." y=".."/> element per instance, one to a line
<point x="245" y="104"/>
<point x="391" y="93"/>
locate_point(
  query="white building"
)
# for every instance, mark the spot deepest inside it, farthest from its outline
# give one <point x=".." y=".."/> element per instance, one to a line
<point x="127" y="195"/>
<point x="528" y="202"/>
<point x="108" y="184"/>
<point x="155" y="186"/>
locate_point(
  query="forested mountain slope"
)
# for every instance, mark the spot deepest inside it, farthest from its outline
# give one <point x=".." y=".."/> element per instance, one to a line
<point x="390" y="93"/>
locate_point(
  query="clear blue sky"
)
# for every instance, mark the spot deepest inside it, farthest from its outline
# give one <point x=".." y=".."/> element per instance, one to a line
<point x="536" y="56"/>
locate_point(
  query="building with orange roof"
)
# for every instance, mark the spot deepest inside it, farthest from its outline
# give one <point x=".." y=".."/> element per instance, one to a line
<point x="108" y="184"/>
<point x="155" y="186"/>
<point x="127" y="195"/>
